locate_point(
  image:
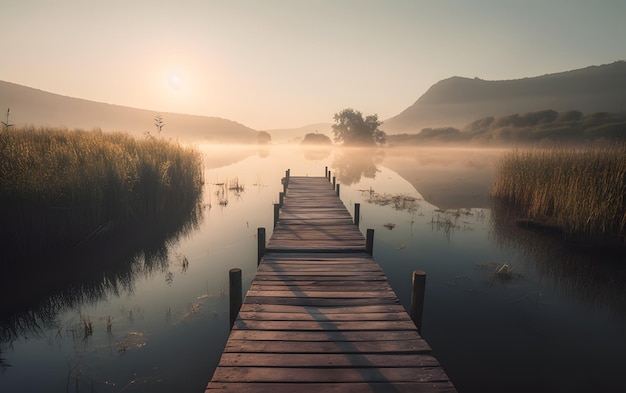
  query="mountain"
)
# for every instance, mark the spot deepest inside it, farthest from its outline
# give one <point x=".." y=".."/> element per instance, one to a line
<point x="457" y="101"/>
<point x="39" y="108"/>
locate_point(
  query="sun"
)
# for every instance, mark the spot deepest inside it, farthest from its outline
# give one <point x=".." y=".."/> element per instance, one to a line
<point x="174" y="80"/>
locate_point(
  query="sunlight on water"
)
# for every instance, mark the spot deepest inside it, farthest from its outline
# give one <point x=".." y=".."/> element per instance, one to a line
<point x="165" y="328"/>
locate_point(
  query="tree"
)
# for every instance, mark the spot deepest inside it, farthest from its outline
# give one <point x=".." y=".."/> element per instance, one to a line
<point x="351" y="129"/>
<point x="315" y="138"/>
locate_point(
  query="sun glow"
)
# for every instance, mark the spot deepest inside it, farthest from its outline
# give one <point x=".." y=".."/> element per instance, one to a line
<point x="174" y="80"/>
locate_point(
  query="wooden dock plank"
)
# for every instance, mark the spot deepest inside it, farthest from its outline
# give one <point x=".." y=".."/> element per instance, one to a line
<point x="336" y="375"/>
<point x="320" y="314"/>
<point x="386" y="387"/>
<point x="411" y="346"/>
<point x="327" y="360"/>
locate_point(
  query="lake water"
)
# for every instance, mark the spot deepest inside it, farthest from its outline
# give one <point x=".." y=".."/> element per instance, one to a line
<point x="158" y="321"/>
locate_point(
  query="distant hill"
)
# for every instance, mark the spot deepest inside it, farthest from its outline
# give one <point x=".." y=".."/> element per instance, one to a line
<point x="36" y="107"/>
<point x="457" y="101"/>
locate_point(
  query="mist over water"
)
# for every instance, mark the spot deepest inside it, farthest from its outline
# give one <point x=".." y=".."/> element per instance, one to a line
<point x="160" y="322"/>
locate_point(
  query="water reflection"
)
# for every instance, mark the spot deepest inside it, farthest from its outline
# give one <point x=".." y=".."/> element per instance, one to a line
<point x="315" y="153"/>
<point x="592" y="278"/>
<point x="447" y="178"/>
<point x="350" y="164"/>
<point x="42" y="287"/>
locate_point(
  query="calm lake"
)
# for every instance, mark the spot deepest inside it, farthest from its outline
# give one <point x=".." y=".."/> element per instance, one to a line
<point x="156" y="318"/>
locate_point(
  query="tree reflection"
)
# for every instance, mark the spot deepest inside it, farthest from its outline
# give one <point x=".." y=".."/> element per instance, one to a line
<point x="350" y="164"/>
<point x="315" y="153"/>
<point x="42" y="287"/>
<point x="592" y="277"/>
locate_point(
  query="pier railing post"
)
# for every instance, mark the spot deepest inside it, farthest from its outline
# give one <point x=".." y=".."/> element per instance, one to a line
<point x="417" y="298"/>
<point x="338" y="189"/>
<point x="236" y="295"/>
<point x="369" y="242"/>
<point x="334" y="182"/>
<point x="281" y="197"/>
<point x="357" y="214"/>
<point x="260" y="237"/>
<point x="329" y="175"/>
<point x="276" y="211"/>
<point x="326" y="171"/>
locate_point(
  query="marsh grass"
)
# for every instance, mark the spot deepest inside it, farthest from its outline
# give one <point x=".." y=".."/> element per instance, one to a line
<point x="62" y="187"/>
<point x="400" y="202"/>
<point x="581" y="192"/>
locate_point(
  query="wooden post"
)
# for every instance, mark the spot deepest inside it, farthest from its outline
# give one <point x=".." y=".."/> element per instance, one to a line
<point x="326" y="171"/>
<point x="369" y="242"/>
<point x="287" y="174"/>
<point x="329" y="175"/>
<point x="338" y="189"/>
<point x="417" y="298"/>
<point x="357" y="214"/>
<point x="276" y="210"/>
<point x="285" y="186"/>
<point x="281" y="196"/>
<point x="334" y="182"/>
<point x="234" y="276"/>
<point x="260" y="237"/>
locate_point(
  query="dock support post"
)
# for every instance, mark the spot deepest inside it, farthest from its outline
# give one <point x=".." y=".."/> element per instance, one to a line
<point x="287" y="174"/>
<point x="326" y="171"/>
<point x="234" y="277"/>
<point x="334" y="182"/>
<point x="276" y="210"/>
<point x="369" y="242"/>
<point x="338" y="189"/>
<point x="329" y="175"/>
<point x="417" y="298"/>
<point x="357" y="214"/>
<point x="260" y="237"/>
<point x="281" y="197"/>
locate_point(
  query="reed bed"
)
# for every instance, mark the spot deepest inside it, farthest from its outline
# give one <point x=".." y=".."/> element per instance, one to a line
<point x="61" y="187"/>
<point x="580" y="191"/>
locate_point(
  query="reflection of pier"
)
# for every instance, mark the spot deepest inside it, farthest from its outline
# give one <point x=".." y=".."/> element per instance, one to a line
<point x="320" y="315"/>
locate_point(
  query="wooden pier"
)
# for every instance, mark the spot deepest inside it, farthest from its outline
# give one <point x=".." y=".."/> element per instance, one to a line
<point x="320" y="315"/>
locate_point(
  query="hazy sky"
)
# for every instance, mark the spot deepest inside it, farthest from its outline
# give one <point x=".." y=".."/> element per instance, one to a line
<point x="288" y="63"/>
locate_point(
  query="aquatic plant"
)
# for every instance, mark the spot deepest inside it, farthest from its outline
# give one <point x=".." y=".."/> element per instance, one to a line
<point x="503" y="272"/>
<point x="582" y="192"/>
<point x="61" y="188"/>
<point x="400" y="202"/>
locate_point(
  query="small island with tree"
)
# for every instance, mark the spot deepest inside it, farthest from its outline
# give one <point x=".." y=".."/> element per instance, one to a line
<point x="352" y="129"/>
<point x="315" y="138"/>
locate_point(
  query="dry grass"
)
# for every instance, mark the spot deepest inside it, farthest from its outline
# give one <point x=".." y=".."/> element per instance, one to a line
<point x="61" y="187"/>
<point x="582" y="191"/>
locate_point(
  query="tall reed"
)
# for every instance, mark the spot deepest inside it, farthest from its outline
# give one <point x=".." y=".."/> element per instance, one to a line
<point x="60" y="187"/>
<point x="583" y="191"/>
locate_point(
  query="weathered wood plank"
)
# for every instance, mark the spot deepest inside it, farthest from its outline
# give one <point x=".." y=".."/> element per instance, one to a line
<point x="313" y="277"/>
<point x="249" y="324"/>
<point x="291" y="316"/>
<point x="299" y="292"/>
<point x="335" y="309"/>
<point x="320" y="302"/>
<point x="326" y="360"/>
<point x="371" y="387"/>
<point x="337" y="375"/>
<point x="321" y="336"/>
<point x="412" y="346"/>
